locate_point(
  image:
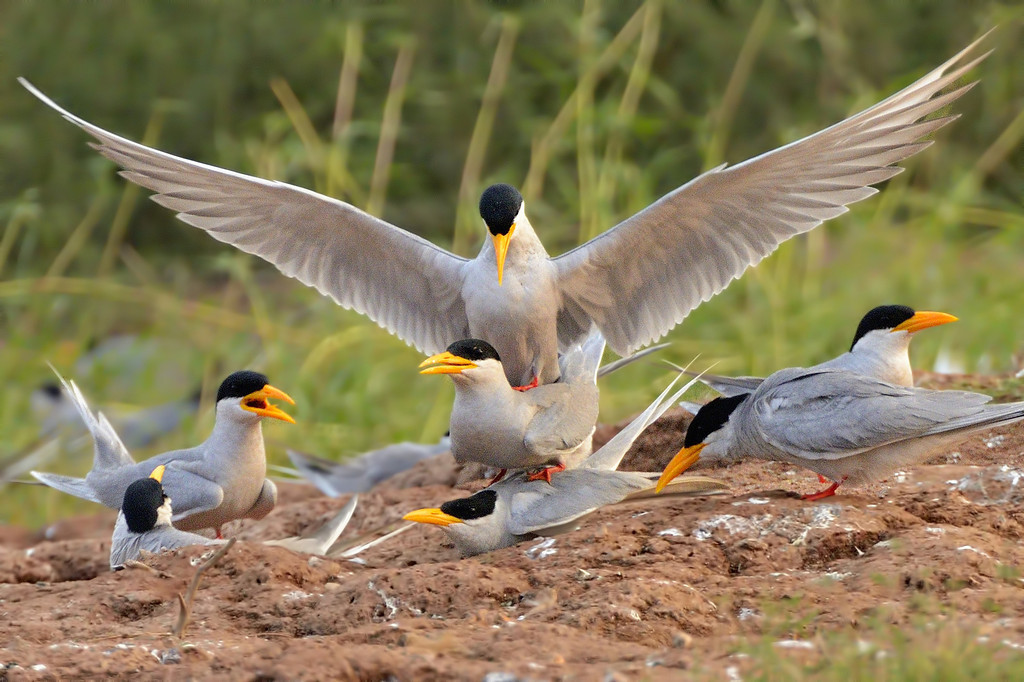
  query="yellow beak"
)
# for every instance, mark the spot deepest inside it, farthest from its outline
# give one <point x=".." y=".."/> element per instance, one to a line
<point x="445" y="363"/>
<point x="501" y="242"/>
<point x="434" y="517"/>
<point x="258" y="402"/>
<point x="158" y="473"/>
<point x="923" y="319"/>
<point x="683" y="460"/>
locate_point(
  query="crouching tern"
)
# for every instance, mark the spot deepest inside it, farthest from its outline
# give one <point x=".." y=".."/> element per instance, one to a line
<point x="880" y="349"/>
<point x="845" y="426"/>
<point x="144" y="523"/>
<point x="217" y="481"/>
<point x="635" y="282"/>
<point x="518" y="509"/>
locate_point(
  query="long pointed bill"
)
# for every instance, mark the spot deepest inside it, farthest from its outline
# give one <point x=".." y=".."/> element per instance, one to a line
<point x="923" y="319"/>
<point x="435" y="517"/>
<point x="683" y="460"/>
<point x="259" y="403"/>
<point x="501" y="242"/>
<point x="158" y="473"/>
<point x="445" y="363"/>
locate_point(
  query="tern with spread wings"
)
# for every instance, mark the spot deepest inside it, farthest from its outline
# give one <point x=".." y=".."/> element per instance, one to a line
<point x="635" y="281"/>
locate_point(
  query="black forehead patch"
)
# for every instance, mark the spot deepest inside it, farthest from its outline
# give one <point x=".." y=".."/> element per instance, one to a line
<point x="499" y="206"/>
<point x="51" y="389"/>
<point x="472" y="507"/>
<point x="141" y="500"/>
<point x="882" y="317"/>
<point x="711" y="417"/>
<point x="475" y="350"/>
<point x="241" y="384"/>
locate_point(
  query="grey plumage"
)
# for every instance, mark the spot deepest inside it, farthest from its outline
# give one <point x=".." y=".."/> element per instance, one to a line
<point x="516" y="508"/>
<point x="126" y="545"/>
<point x="322" y="540"/>
<point x="494" y="424"/>
<point x="222" y="479"/>
<point x="635" y="281"/>
<point x="365" y="471"/>
<point x="842" y="425"/>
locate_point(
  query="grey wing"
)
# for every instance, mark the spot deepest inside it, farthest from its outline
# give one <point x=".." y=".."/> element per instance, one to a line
<point x="831" y="414"/>
<point x="566" y="423"/>
<point x="400" y="281"/>
<point x="570" y="495"/>
<point x="190" y="491"/>
<point x="642" y="277"/>
<point x="728" y="386"/>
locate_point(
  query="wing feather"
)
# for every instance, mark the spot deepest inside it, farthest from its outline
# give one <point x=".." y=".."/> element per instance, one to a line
<point x="642" y="277"/>
<point x="402" y="282"/>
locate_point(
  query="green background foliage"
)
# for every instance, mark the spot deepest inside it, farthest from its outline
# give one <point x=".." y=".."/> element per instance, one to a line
<point x="409" y="110"/>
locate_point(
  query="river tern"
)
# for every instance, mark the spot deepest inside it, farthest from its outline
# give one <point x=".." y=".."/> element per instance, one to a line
<point x="880" y="349"/>
<point x="517" y="508"/>
<point x="846" y="427"/>
<point x="635" y="282"/>
<point x="217" y="481"/>
<point x="144" y="523"/>
<point x="492" y="423"/>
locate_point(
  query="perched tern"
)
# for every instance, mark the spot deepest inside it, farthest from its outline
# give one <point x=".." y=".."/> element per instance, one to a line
<point x="635" y="282"/>
<point x="880" y="349"/>
<point x="516" y="508"/>
<point x="222" y="479"/>
<point x="492" y="423"/>
<point x="846" y="427"/>
<point x="144" y="523"/>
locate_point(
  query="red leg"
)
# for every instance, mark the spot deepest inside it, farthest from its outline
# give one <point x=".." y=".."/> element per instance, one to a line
<point x="219" y="536"/>
<point x="827" y="492"/>
<point x="545" y="473"/>
<point x="822" y="480"/>
<point x="501" y="475"/>
<point x="527" y="387"/>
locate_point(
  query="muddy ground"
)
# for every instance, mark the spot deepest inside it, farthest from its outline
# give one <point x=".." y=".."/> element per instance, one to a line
<point x="647" y="589"/>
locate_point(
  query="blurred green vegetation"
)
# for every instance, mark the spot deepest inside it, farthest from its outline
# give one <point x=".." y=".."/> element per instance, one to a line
<point x="409" y="110"/>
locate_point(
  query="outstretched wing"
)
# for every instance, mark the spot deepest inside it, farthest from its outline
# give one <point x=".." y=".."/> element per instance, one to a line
<point x="642" y="277"/>
<point x="402" y="282"/>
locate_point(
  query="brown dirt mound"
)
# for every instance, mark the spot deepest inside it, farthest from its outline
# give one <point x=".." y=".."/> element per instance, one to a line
<point x="647" y="588"/>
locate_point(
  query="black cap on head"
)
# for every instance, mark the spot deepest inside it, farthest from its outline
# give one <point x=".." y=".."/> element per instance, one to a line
<point x="882" y="317"/>
<point x="711" y="417"/>
<point x="473" y="349"/>
<point x="141" y="500"/>
<point x="499" y="206"/>
<point x="241" y="384"/>
<point x="472" y="507"/>
<point x="51" y="389"/>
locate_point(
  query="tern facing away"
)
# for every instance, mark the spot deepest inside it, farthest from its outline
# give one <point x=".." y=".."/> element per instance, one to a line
<point x="217" y="481"/>
<point x="844" y="426"/>
<point x="144" y="523"/>
<point x="880" y="349"/>
<point x="517" y="509"/>
<point x="635" y="282"/>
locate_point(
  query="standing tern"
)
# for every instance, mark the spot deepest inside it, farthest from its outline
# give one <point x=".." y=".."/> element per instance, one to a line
<point x="217" y="481"/>
<point x="846" y="427"/>
<point x="144" y="523"/>
<point x="880" y="349"/>
<point x="635" y="282"/>
<point x="517" y="509"/>
<point x="492" y="423"/>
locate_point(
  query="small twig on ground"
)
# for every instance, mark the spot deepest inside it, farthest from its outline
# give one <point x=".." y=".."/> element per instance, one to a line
<point x="186" y="602"/>
<point x="132" y="563"/>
